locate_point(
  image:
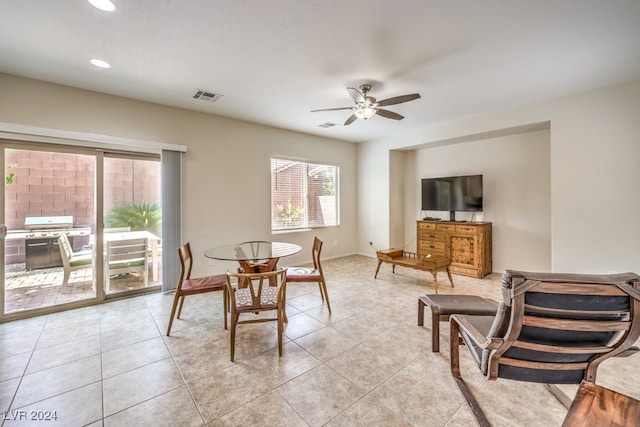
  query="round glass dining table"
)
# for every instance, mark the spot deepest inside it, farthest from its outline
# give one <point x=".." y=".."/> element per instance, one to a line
<point x="254" y="255"/>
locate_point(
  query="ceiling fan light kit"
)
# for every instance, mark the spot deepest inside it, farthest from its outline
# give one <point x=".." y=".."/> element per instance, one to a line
<point x="364" y="112"/>
<point x="367" y="106"/>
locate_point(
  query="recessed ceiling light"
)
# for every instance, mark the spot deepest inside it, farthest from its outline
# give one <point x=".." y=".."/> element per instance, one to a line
<point x="100" y="63"/>
<point x="105" y="5"/>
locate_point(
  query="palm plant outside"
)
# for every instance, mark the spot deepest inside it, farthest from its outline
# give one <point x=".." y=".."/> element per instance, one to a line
<point x="138" y="216"/>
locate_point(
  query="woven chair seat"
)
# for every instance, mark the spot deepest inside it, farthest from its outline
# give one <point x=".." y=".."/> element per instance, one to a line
<point x="301" y="274"/>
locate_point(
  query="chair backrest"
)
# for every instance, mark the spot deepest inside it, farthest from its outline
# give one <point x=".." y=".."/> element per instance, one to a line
<point x="317" y="249"/>
<point x="66" y="251"/>
<point x="257" y="291"/>
<point x="186" y="263"/>
<point x="557" y="328"/>
<point x="126" y="255"/>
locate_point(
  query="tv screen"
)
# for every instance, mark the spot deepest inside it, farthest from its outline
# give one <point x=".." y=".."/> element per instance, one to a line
<point x="455" y="193"/>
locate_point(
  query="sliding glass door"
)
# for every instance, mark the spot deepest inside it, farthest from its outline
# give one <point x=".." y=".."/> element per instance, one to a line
<point x="49" y="215"/>
<point x="56" y="255"/>
<point x="132" y="213"/>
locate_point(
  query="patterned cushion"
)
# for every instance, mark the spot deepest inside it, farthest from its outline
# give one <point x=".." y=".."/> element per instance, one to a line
<point x="302" y="271"/>
<point x="269" y="297"/>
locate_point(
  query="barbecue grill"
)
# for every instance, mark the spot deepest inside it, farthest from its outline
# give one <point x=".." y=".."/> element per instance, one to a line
<point x="40" y="223"/>
<point x="40" y="236"/>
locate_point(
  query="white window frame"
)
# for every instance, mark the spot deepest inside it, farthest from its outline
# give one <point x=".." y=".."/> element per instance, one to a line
<point x="305" y="197"/>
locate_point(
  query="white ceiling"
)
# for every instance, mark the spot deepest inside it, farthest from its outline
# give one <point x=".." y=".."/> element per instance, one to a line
<point x="275" y="60"/>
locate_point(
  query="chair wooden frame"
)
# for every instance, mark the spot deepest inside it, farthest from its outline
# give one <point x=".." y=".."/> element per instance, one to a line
<point x="193" y="286"/>
<point x="551" y="329"/>
<point x="253" y="293"/>
<point x="315" y="274"/>
<point x="601" y="407"/>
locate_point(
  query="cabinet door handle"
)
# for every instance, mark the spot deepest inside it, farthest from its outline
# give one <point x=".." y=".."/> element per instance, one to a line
<point x="33" y="245"/>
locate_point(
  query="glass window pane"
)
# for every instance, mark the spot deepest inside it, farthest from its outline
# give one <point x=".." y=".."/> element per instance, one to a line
<point x="303" y="195"/>
<point x="322" y="184"/>
<point x="50" y="215"/>
<point x="132" y="211"/>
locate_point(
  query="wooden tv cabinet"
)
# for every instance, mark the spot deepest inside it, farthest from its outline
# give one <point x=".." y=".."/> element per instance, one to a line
<point x="467" y="244"/>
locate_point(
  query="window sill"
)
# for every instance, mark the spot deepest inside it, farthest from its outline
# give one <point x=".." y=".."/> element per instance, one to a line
<point x="303" y="230"/>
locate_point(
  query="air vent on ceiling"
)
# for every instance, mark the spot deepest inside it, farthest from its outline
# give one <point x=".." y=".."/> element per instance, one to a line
<point x="327" y="125"/>
<point x="204" y="95"/>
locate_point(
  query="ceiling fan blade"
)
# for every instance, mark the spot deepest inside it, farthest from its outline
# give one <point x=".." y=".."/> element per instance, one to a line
<point x="333" y="109"/>
<point x="389" y="114"/>
<point x="399" y="99"/>
<point x="355" y="94"/>
<point x="350" y="120"/>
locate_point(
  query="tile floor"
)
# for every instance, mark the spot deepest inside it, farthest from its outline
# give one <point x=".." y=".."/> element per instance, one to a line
<point x="366" y="364"/>
<point x="29" y="290"/>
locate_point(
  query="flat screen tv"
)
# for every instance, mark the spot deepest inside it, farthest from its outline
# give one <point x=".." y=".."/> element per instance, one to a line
<point x="453" y="193"/>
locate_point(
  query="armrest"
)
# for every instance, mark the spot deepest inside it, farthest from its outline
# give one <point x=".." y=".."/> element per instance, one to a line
<point x="389" y="254"/>
<point x="476" y="328"/>
<point x="475" y="332"/>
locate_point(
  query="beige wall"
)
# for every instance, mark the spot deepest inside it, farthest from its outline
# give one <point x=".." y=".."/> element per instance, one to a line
<point x="517" y="198"/>
<point x="593" y="153"/>
<point x="226" y="170"/>
<point x="592" y="172"/>
<point x="375" y="203"/>
<point x="397" y="185"/>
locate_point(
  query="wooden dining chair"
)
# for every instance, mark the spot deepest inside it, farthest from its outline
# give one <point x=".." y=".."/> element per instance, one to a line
<point x="311" y="274"/>
<point x="250" y="294"/>
<point x="192" y="286"/>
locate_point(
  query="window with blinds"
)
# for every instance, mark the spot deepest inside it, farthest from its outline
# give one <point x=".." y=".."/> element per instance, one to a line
<point x="303" y="195"/>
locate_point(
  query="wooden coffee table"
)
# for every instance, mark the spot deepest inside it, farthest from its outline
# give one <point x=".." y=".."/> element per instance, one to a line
<point x="430" y="263"/>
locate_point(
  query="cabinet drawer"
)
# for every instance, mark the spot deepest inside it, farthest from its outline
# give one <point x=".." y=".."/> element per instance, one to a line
<point x="465" y="270"/>
<point x="431" y="235"/>
<point x="445" y="227"/>
<point x="426" y="226"/>
<point x="431" y="247"/>
<point x="469" y="229"/>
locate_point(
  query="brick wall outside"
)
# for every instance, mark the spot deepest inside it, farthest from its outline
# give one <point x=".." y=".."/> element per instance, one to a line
<point x="127" y="180"/>
<point x="60" y="184"/>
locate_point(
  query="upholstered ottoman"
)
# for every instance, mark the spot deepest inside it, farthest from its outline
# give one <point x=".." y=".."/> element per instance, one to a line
<point x="442" y="306"/>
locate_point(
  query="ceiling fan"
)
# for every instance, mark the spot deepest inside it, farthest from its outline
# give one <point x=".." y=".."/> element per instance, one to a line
<point x="367" y="106"/>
